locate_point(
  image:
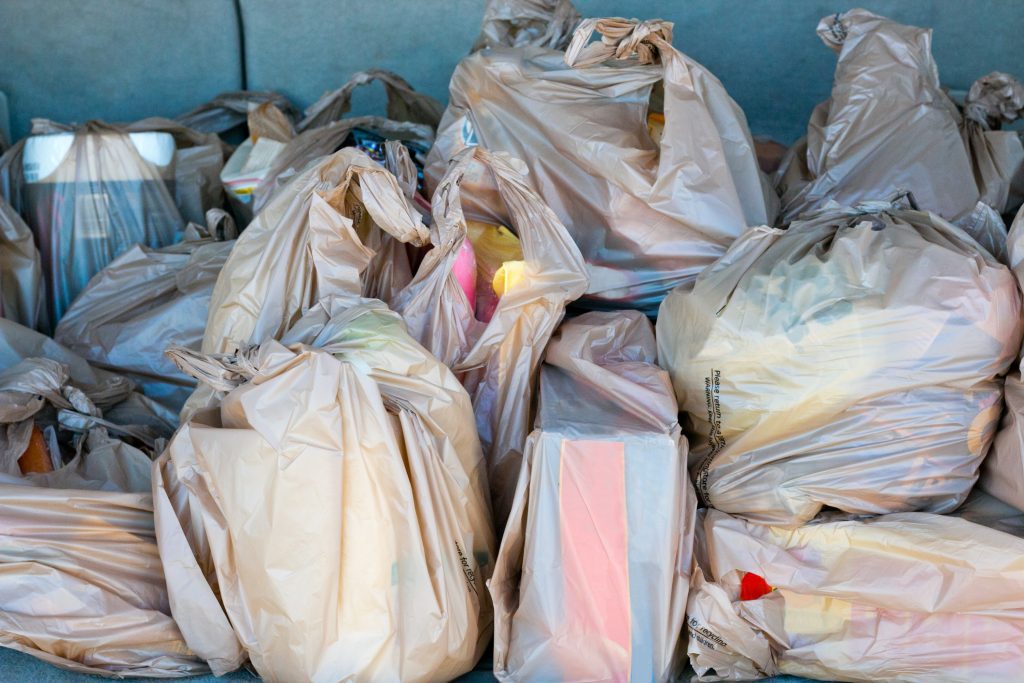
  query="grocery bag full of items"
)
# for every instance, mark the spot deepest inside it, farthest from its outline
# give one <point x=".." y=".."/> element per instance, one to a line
<point x="550" y="381"/>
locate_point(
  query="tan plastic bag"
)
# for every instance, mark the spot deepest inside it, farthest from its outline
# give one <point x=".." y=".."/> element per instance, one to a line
<point x="336" y="501"/>
<point x="22" y="298"/>
<point x="411" y="117"/>
<point x="81" y="585"/>
<point x="1002" y="474"/>
<point x="594" y="566"/>
<point x="907" y="597"/>
<point x="646" y="216"/>
<point x="231" y="109"/>
<point x="854" y="361"/>
<point x="887" y="127"/>
<point x="998" y="155"/>
<point x="496" y="361"/>
<point x="518" y="23"/>
<point x="145" y="301"/>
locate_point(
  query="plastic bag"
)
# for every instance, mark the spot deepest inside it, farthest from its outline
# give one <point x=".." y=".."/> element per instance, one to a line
<point x="496" y="361"/>
<point x="646" y="216"/>
<point x="518" y="23"/>
<point x="411" y="117"/>
<point x="231" y="109"/>
<point x="22" y="298"/>
<point x="1002" y="474"/>
<point x="908" y="597"/>
<point x="998" y="155"/>
<point x="887" y="127"/>
<point x="168" y="305"/>
<point x="854" y="361"/>
<point x="594" y="566"/>
<point x="353" y="472"/>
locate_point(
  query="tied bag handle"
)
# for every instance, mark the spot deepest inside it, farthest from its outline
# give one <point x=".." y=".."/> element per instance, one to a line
<point x="338" y="254"/>
<point x="620" y="39"/>
<point x="404" y="103"/>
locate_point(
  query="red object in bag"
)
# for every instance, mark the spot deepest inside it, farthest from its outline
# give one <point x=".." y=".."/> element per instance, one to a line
<point x="753" y="586"/>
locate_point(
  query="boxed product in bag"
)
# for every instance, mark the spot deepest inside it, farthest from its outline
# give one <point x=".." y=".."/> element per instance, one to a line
<point x="594" y="566"/>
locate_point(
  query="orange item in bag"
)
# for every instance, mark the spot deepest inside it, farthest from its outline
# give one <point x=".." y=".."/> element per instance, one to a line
<point x="36" y="458"/>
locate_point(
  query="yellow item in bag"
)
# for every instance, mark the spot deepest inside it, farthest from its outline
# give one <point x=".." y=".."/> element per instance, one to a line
<point x="495" y="246"/>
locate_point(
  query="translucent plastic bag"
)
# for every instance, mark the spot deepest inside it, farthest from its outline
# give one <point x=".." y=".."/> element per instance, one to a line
<point x="353" y="472"/>
<point x="22" y="298"/>
<point x="412" y="118"/>
<point x="907" y="597"/>
<point x="595" y="563"/>
<point x="143" y="302"/>
<point x="998" y="155"/>
<point x="887" y="127"/>
<point x="518" y="23"/>
<point x="854" y="361"/>
<point x="231" y="109"/>
<point x="497" y="361"/>
<point x="647" y="216"/>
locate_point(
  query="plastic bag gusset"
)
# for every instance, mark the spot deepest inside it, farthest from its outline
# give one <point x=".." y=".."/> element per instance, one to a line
<point x="792" y="351"/>
<point x="518" y="23"/>
<point x="306" y="245"/>
<point x="998" y="155"/>
<point x="887" y="126"/>
<point x="497" y="362"/>
<point x="646" y="217"/>
<point x="594" y="568"/>
<point x="367" y="442"/>
<point x="22" y="298"/>
<point x="950" y="606"/>
<point x="1002" y="473"/>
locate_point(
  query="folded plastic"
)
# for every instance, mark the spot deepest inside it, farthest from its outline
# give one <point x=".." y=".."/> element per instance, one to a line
<point x="647" y="216"/>
<point x="143" y="302"/>
<point x="497" y="361"/>
<point x="853" y="361"/>
<point x="329" y="519"/>
<point x="22" y="298"/>
<point x="908" y="596"/>
<point x="595" y="562"/>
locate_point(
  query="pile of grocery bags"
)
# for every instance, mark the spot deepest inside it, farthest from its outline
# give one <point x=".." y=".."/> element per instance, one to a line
<point x="557" y="376"/>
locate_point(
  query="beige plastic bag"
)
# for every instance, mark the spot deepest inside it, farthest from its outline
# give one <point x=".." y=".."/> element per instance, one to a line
<point x="594" y="566"/>
<point x="647" y="216"/>
<point x="887" y="127"/>
<point x="231" y="109"/>
<point x="518" y="23"/>
<point x="1002" y="474"/>
<point x="411" y="117"/>
<point x="907" y="597"/>
<point x="81" y="584"/>
<point x="145" y="301"/>
<point x="497" y="361"/>
<point x="336" y="502"/>
<point x="854" y="361"/>
<point x="22" y="298"/>
<point x="998" y="155"/>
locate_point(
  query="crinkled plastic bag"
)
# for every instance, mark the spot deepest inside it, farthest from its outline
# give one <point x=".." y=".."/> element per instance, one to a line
<point x="496" y="361"/>
<point x="646" y="216"/>
<point x="854" y="361"/>
<point x="411" y="117"/>
<point x="888" y="126"/>
<point x="1002" y="474"/>
<point x="518" y="23"/>
<point x="231" y="109"/>
<point x="998" y="155"/>
<point x="908" y="597"/>
<point x="22" y="298"/>
<point x="594" y="566"/>
<point x="143" y="302"/>
<point x="81" y="584"/>
<point x="336" y="502"/>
